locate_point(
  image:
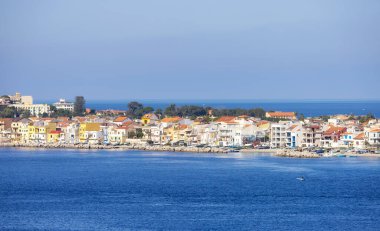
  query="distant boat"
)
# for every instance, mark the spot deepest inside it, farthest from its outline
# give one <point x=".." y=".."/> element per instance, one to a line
<point x="300" y="178"/>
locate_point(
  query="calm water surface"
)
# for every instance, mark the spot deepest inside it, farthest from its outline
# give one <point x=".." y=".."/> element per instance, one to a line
<point x="115" y="190"/>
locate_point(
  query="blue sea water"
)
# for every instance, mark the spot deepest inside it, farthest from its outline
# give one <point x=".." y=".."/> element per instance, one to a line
<point x="136" y="190"/>
<point x="306" y="107"/>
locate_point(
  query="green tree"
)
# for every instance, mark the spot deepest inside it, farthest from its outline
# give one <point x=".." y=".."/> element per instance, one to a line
<point x="131" y="134"/>
<point x="171" y="110"/>
<point x="79" y="106"/>
<point x="139" y="133"/>
<point x="8" y="112"/>
<point x="25" y="114"/>
<point x="135" y="109"/>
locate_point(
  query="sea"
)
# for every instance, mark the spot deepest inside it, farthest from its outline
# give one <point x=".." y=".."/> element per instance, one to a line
<point x="46" y="189"/>
<point x="306" y="107"/>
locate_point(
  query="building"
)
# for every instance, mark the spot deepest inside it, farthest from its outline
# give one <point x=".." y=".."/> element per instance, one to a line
<point x="373" y="136"/>
<point x="39" y="130"/>
<point x="55" y="136"/>
<point x="19" y="99"/>
<point x="148" y="119"/>
<point x="34" y="109"/>
<point x="278" y="135"/>
<point x="120" y="120"/>
<point x="331" y="136"/>
<point x="281" y="115"/>
<point x="63" y="105"/>
<point x="90" y="133"/>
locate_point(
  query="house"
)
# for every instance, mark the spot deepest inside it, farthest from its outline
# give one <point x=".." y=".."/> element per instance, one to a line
<point x="168" y="121"/>
<point x="347" y="139"/>
<point x="149" y="119"/>
<point x="117" y="135"/>
<point x="359" y="141"/>
<point x="331" y="136"/>
<point x="90" y="133"/>
<point x="230" y="131"/>
<point x="281" y="115"/>
<point x="120" y="120"/>
<point x="55" y="136"/>
<point x="373" y="136"/>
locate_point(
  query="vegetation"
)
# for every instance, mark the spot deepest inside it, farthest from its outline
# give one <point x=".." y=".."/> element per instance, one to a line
<point x="11" y="112"/>
<point x="136" y="110"/>
<point x="59" y="112"/>
<point x="79" y="106"/>
<point x="196" y="111"/>
<point x="365" y="118"/>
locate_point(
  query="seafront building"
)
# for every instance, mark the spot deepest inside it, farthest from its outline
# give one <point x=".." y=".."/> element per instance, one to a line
<point x="111" y="127"/>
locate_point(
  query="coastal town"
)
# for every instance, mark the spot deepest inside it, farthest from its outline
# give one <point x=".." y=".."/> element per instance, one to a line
<point x="69" y="124"/>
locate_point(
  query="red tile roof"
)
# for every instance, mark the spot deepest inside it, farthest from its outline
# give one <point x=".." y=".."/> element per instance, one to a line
<point x="226" y="119"/>
<point x="120" y="119"/>
<point x="171" y="119"/>
<point x="281" y="114"/>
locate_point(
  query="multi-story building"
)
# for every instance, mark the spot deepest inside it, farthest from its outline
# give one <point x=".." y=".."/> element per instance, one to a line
<point x="90" y="133"/>
<point x="279" y="135"/>
<point x="64" y="105"/>
<point x="373" y="136"/>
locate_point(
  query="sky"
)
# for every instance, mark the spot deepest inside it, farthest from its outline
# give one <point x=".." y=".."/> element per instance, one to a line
<point x="173" y="50"/>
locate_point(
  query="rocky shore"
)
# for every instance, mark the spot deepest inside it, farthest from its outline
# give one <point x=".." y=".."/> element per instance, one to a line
<point x="296" y="154"/>
<point x="118" y="147"/>
<point x="283" y="153"/>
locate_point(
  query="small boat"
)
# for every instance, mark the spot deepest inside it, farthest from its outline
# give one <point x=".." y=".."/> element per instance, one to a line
<point x="300" y="178"/>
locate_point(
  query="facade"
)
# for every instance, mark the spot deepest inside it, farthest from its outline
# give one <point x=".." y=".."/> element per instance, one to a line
<point x="90" y="133"/>
<point x="149" y="119"/>
<point x="63" y="105"/>
<point x="373" y="136"/>
<point x="34" y="109"/>
<point x="279" y="135"/>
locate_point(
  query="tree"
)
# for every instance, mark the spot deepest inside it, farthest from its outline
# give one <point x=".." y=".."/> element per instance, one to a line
<point x="171" y="110"/>
<point x="25" y="114"/>
<point x="135" y="109"/>
<point x="79" y="106"/>
<point x="139" y="133"/>
<point x="147" y="110"/>
<point x="301" y="117"/>
<point x="8" y="112"/>
<point x="158" y="112"/>
<point x="131" y="134"/>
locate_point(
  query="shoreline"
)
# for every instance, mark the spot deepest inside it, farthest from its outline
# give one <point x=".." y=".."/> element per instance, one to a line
<point x="286" y="153"/>
<point x="116" y="147"/>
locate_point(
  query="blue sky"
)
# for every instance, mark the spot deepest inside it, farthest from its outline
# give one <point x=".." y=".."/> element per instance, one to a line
<point x="296" y="49"/>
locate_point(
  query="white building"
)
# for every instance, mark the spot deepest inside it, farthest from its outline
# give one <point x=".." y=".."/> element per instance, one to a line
<point x="34" y="109"/>
<point x="62" y="104"/>
<point x="278" y="135"/>
<point x="373" y="136"/>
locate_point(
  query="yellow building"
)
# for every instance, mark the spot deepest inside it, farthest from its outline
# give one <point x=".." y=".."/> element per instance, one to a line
<point x="38" y="133"/>
<point x="54" y="136"/>
<point x="149" y="119"/>
<point x="89" y="132"/>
